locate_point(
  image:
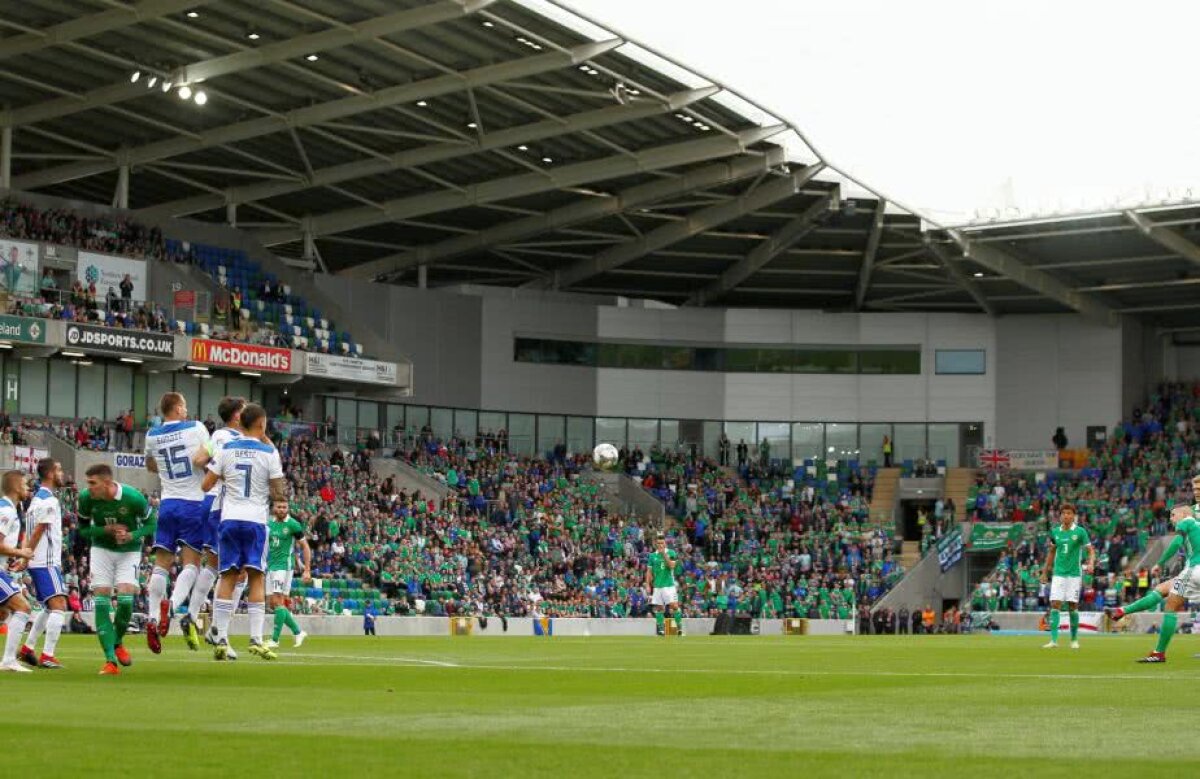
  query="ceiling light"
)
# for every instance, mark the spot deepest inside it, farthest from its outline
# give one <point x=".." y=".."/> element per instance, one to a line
<point x="185" y="92"/>
<point x="547" y="160"/>
<point x="133" y="360"/>
<point x="83" y="362"/>
<point x="585" y="68"/>
<point x="978" y="274"/>
<point x="196" y="368"/>
<point x="422" y="103"/>
<point x="251" y="373"/>
<point x="488" y="24"/>
<point x="193" y="14"/>
<point x="253" y="36"/>
<point x="166" y="85"/>
<point x="134" y="78"/>
<point x="6" y="345"/>
<point x="472" y="125"/>
<point x="153" y="80"/>
<point x="312" y="58"/>
<point x="635" y="91"/>
<point x="522" y="147"/>
<point x="201" y="97"/>
<point x="72" y="354"/>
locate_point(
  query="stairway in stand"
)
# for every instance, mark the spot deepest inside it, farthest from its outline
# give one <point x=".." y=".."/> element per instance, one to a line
<point x="910" y="554"/>
<point x="883" y="498"/>
<point x="959" y="482"/>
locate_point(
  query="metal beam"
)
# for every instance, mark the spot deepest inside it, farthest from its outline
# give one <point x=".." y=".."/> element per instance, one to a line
<point x="94" y="24"/>
<point x="999" y="261"/>
<point x="586" y="210"/>
<point x="1165" y="236"/>
<point x="322" y="112"/>
<point x="960" y="278"/>
<point x="509" y="187"/>
<point x="868" y="260"/>
<point x="766" y="251"/>
<point x="6" y="157"/>
<point x="248" y="59"/>
<point x="437" y="152"/>
<point x="777" y="189"/>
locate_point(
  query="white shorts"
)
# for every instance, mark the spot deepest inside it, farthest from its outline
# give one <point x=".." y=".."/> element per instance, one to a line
<point x="279" y="582"/>
<point x="109" y="569"/>
<point x="1187" y="584"/>
<point x="664" y="596"/>
<point x="1066" y="588"/>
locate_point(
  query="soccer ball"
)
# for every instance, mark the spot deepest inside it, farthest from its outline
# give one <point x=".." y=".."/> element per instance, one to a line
<point x="605" y="456"/>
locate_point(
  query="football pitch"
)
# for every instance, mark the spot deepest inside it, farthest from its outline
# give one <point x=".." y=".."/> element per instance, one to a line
<point x="699" y="706"/>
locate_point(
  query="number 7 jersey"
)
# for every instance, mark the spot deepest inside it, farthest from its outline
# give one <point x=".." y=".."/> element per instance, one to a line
<point x="247" y="466"/>
<point x="172" y="446"/>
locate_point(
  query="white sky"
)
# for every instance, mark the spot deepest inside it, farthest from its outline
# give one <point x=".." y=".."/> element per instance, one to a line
<point x="942" y="103"/>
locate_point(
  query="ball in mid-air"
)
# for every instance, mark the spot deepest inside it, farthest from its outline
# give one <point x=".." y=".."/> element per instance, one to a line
<point x="605" y="456"/>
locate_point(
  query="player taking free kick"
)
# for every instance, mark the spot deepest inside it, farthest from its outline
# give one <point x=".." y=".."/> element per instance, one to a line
<point x="1181" y="589"/>
<point x="285" y="535"/>
<point x="117" y="519"/>
<point x="660" y="575"/>
<point x="1065" y="558"/>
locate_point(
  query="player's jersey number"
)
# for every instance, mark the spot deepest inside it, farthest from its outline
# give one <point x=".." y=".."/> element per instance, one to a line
<point x="248" y="470"/>
<point x="178" y="464"/>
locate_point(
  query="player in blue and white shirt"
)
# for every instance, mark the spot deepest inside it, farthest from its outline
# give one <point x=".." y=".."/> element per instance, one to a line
<point x="252" y="473"/>
<point x="230" y="411"/>
<point x="15" y="492"/>
<point x="170" y="448"/>
<point x="43" y="534"/>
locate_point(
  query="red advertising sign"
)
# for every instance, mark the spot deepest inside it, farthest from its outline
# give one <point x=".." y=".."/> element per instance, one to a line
<point x="244" y="357"/>
<point x="185" y="298"/>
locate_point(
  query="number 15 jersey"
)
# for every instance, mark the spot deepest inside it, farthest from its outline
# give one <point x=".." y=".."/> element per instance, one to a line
<point x="172" y="446"/>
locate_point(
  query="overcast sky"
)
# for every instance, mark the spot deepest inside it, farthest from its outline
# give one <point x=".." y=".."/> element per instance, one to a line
<point x="943" y="103"/>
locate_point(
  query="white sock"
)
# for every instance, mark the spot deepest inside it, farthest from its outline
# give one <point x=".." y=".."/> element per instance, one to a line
<point x="156" y="592"/>
<point x="16" y="631"/>
<point x="201" y="590"/>
<point x="222" y="613"/>
<point x="183" y="587"/>
<point x="258" y="613"/>
<point x="39" y="627"/>
<point x="238" y="589"/>
<point x="54" y="625"/>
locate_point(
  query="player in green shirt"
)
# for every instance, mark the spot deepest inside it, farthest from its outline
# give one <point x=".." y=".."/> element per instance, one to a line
<point x="1066" y="561"/>
<point x="660" y="580"/>
<point x="1178" y="591"/>
<point x="283" y="535"/>
<point x="117" y="519"/>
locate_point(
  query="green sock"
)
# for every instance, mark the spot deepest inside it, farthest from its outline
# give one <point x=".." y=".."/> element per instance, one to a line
<point x="660" y="620"/>
<point x="679" y="621"/>
<point x="1054" y="625"/>
<point x="104" y="627"/>
<point x="124" y="615"/>
<point x="1074" y="624"/>
<point x="291" y="622"/>
<point x="1168" y="630"/>
<point x="280" y="618"/>
<point x="1148" y="602"/>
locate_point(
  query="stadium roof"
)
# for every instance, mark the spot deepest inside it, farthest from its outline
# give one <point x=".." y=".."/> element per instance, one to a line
<point x="515" y="143"/>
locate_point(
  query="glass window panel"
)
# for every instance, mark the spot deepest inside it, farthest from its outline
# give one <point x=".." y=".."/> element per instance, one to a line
<point x="91" y="391"/>
<point x="610" y="430"/>
<point x="890" y="361"/>
<point x="679" y="358"/>
<point x="778" y="438"/>
<point x="712" y="438"/>
<point x="520" y="433"/>
<point x="368" y="415"/>
<point x="212" y="389"/>
<point x="159" y="385"/>
<point x="527" y="350"/>
<point x="579" y="435"/>
<point x="668" y="434"/>
<point x="841" y="441"/>
<point x="62" y="389"/>
<point x="347" y="413"/>
<point x="237" y="387"/>
<point x="415" y="418"/>
<point x="741" y="361"/>
<point x="118" y="390"/>
<point x="870" y="442"/>
<point x="910" y="443"/>
<point x="185" y="382"/>
<point x="971" y="362"/>
<point x="491" y="421"/>
<point x="442" y="422"/>
<point x="777" y="360"/>
<point x="643" y="433"/>
<point x="738" y="432"/>
<point x="710" y="359"/>
<point x="808" y="441"/>
<point x="32" y="395"/>
<point x="550" y="432"/>
<point x="944" y="444"/>
<point x="466" y="424"/>
<point x="825" y="361"/>
<point x="395" y="416"/>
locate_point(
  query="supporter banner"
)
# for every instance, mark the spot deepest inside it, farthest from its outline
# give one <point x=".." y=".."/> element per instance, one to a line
<point x="247" y="357"/>
<point x="105" y="270"/>
<point x="131" y="342"/>
<point x="19" y="272"/>
<point x="950" y="549"/>
<point x="350" y="368"/>
<point x="995" y="535"/>
<point x="129" y="460"/>
<point x="1018" y="459"/>
<point x="23" y="329"/>
<point x="294" y="429"/>
<point x="26" y="458"/>
<point x="1089" y="621"/>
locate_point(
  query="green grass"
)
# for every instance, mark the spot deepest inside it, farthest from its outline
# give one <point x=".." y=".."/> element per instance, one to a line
<point x="973" y="706"/>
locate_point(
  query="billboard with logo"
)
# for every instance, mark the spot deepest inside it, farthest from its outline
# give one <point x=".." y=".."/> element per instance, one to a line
<point x="133" y="343"/>
<point x="350" y="368"/>
<point x="137" y="461"/>
<point x="106" y="270"/>
<point x="243" y="357"/>
<point x="19" y="271"/>
<point x="22" y="329"/>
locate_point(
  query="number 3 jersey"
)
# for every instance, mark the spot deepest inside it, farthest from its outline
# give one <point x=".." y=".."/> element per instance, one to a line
<point x="172" y="446"/>
<point x="246" y="466"/>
